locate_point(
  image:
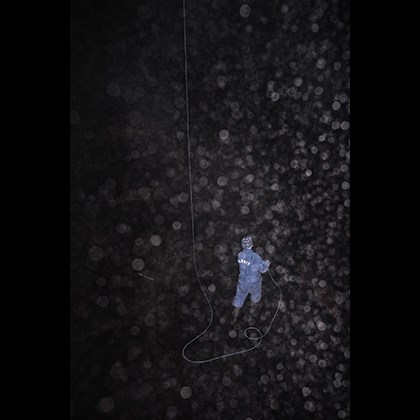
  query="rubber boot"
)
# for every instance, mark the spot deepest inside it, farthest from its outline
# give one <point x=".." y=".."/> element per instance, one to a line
<point x="235" y="315"/>
<point x="253" y="308"/>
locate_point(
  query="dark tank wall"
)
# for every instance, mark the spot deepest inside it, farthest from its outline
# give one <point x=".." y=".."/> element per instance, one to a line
<point x="270" y="158"/>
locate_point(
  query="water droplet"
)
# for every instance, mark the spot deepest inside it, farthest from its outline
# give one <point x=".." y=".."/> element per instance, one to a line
<point x="222" y="181"/>
<point x="106" y="405"/>
<point x="265" y="379"/>
<point x="113" y="90"/>
<point x="156" y="240"/>
<point x="138" y="264"/>
<point x="171" y="412"/>
<point x="96" y="253"/>
<point x="224" y="134"/>
<point x="245" y="10"/>
<point x="102" y="301"/>
<point x="275" y="96"/>
<point x="150" y="320"/>
<point x="121" y="228"/>
<point x="345" y="125"/>
<point x="186" y="392"/>
<point x="134" y="330"/>
<point x="176" y="225"/>
<point x="183" y="197"/>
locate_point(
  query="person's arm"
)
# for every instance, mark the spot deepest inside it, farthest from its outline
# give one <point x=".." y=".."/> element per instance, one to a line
<point x="241" y="267"/>
<point x="263" y="265"/>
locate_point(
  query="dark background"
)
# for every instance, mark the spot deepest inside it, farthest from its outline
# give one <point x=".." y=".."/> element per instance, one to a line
<point x="275" y="77"/>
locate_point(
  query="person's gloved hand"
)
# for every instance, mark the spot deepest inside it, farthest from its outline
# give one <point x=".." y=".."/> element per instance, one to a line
<point x="267" y="262"/>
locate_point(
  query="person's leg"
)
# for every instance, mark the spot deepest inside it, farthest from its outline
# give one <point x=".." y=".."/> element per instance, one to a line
<point x="238" y="301"/>
<point x="253" y="307"/>
<point x="255" y="297"/>
<point x="235" y="314"/>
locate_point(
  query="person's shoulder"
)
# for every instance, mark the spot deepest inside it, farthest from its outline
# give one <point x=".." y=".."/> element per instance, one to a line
<point x="253" y="253"/>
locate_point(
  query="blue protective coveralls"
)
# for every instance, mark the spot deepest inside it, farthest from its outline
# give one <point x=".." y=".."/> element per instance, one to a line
<point x="251" y="265"/>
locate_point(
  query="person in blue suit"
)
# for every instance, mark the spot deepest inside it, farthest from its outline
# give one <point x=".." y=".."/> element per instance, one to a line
<point x="251" y="266"/>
